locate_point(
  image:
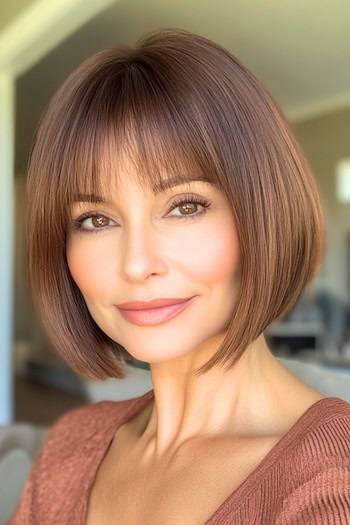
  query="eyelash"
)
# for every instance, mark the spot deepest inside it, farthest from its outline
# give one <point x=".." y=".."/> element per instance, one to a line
<point x="189" y="199"/>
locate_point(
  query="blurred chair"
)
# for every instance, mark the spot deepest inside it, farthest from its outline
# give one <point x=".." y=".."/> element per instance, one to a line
<point x="19" y="444"/>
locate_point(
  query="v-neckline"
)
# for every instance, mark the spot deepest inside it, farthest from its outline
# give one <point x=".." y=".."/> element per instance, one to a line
<point x="238" y="496"/>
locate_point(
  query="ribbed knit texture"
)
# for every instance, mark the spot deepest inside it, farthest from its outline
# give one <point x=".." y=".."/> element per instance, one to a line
<point x="303" y="480"/>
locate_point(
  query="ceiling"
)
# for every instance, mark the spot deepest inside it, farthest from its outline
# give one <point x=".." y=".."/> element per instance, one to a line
<point x="299" y="49"/>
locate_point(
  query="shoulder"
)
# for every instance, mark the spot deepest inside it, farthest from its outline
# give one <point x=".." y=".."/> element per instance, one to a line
<point x="87" y="424"/>
<point x="329" y="431"/>
<point x="72" y="446"/>
<point x="323" y="438"/>
<point x="83" y="420"/>
<point x="317" y="469"/>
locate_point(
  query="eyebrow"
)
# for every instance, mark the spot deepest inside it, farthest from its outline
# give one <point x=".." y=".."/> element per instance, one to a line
<point x="158" y="188"/>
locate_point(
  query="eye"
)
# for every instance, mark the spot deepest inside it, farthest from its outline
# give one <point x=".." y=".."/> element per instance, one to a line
<point x="98" y="222"/>
<point x="185" y="203"/>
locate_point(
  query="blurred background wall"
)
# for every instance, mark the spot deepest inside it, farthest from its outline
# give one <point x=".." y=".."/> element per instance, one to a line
<point x="11" y="10"/>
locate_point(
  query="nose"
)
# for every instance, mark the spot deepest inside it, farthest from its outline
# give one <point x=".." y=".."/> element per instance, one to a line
<point x="141" y="254"/>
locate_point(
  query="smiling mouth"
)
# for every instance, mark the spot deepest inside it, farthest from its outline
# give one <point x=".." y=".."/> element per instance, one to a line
<point x="154" y="316"/>
<point x="154" y="303"/>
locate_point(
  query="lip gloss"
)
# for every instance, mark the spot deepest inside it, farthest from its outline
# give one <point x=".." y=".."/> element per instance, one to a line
<point x="154" y="316"/>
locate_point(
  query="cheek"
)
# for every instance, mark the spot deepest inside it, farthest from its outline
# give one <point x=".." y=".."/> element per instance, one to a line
<point x="88" y="268"/>
<point x="214" y="253"/>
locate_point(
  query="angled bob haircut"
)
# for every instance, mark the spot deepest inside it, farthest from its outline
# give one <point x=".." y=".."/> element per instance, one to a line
<point x="177" y="103"/>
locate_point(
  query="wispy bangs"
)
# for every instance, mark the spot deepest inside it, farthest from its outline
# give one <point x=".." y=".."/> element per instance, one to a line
<point x="135" y="127"/>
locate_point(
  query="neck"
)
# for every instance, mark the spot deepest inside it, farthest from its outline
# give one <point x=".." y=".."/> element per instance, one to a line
<point x="185" y="408"/>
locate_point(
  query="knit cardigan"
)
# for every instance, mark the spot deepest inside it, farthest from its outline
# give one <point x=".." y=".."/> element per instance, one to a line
<point x="303" y="480"/>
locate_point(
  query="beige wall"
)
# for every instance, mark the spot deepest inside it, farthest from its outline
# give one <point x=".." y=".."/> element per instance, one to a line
<point x="11" y="9"/>
<point x="326" y="140"/>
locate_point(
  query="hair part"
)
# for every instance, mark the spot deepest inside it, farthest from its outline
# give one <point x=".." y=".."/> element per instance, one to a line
<point x="173" y="103"/>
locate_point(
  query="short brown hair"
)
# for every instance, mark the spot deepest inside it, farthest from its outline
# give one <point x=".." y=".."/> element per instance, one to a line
<point x="177" y="101"/>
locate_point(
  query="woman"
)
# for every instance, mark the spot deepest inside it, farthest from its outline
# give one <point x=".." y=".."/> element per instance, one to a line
<point x="165" y="170"/>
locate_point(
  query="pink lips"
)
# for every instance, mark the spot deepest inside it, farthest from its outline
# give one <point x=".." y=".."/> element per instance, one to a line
<point x="152" y="315"/>
<point x="154" y="303"/>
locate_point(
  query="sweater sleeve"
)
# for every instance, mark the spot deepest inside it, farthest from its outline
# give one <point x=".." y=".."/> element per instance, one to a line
<point x="322" y="500"/>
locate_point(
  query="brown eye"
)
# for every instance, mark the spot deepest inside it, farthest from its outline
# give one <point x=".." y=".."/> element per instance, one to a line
<point x="91" y="222"/>
<point x="188" y="208"/>
<point x="99" y="220"/>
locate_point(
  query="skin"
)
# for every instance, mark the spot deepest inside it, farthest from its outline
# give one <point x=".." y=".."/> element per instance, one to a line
<point x="146" y="252"/>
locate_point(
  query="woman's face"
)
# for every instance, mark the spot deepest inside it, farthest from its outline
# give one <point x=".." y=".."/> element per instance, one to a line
<point x="138" y="248"/>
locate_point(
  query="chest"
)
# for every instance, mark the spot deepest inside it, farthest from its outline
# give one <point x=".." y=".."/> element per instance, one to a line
<point x="187" y="489"/>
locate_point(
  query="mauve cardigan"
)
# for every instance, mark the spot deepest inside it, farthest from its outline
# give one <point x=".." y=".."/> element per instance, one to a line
<point x="304" y="479"/>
